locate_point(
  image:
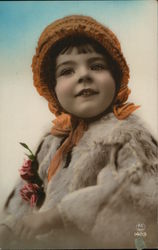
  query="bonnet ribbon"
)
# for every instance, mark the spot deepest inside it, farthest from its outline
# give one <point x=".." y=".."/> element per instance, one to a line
<point x="121" y="109"/>
<point x="64" y="126"/>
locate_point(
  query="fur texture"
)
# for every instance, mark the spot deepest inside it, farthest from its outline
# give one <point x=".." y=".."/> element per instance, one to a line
<point x="109" y="186"/>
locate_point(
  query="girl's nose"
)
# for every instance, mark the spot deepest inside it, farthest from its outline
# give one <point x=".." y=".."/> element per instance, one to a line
<point x="85" y="79"/>
<point x="84" y="76"/>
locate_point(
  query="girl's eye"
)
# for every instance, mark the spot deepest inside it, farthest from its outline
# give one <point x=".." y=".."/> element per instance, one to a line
<point x="98" y="67"/>
<point x="66" y="72"/>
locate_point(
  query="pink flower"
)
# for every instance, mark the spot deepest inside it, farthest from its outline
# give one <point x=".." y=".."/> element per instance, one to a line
<point x="33" y="200"/>
<point x="26" y="171"/>
<point x="30" y="192"/>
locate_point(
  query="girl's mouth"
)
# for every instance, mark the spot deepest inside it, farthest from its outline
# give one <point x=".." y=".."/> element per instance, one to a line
<point x="87" y="92"/>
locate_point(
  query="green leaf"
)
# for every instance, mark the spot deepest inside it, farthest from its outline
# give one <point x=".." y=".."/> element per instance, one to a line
<point x="25" y="146"/>
<point x="31" y="157"/>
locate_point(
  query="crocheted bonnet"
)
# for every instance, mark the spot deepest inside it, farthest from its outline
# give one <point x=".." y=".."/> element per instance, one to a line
<point x="59" y="29"/>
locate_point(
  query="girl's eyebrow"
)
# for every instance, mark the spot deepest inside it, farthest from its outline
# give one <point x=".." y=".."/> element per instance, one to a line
<point x="89" y="60"/>
<point x="65" y="63"/>
<point x="97" y="58"/>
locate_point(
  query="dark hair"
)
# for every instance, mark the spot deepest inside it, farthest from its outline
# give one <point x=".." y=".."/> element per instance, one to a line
<point x="82" y="42"/>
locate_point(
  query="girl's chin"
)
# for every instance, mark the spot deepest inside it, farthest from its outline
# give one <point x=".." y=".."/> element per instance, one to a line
<point x="91" y="117"/>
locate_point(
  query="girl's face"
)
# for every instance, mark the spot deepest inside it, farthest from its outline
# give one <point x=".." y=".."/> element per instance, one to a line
<point x="84" y="85"/>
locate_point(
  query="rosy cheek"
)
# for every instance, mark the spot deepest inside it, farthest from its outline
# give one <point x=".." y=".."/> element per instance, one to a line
<point x="62" y="88"/>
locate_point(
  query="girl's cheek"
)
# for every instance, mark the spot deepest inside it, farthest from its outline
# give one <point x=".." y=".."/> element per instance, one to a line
<point x="63" y="88"/>
<point x="105" y="76"/>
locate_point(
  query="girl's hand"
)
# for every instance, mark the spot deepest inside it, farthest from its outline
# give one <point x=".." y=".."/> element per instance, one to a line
<point x="29" y="226"/>
<point x="38" y="223"/>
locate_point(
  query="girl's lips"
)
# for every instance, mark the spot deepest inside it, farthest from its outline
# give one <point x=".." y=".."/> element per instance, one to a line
<point x="87" y="92"/>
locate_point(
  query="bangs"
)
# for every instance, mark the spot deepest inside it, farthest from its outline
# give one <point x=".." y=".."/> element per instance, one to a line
<point x="81" y="49"/>
<point x="82" y="43"/>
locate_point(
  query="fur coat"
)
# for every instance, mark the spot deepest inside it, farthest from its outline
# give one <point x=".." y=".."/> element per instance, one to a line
<point x="107" y="193"/>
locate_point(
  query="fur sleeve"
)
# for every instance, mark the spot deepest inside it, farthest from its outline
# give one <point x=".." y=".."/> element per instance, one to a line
<point x="14" y="207"/>
<point x="126" y="194"/>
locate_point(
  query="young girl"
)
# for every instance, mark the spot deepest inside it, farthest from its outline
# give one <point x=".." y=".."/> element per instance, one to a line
<point x="96" y="182"/>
